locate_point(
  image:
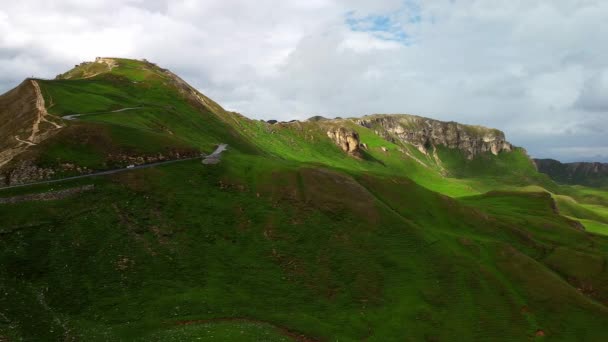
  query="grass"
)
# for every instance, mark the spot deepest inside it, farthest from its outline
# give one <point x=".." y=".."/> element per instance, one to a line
<point x="594" y="226"/>
<point x="155" y="246"/>
<point x="288" y="235"/>
<point x="222" y="331"/>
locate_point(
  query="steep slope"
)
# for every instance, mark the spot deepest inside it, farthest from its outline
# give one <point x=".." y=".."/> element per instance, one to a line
<point x="24" y="120"/>
<point x="589" y="174"/>
<point x="316" y="230"/>
<point x="116" y="112"/>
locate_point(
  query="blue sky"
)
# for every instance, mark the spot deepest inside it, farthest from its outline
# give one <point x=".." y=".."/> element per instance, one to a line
<point x="537" y="70"/>
<point x="381" y="26"/>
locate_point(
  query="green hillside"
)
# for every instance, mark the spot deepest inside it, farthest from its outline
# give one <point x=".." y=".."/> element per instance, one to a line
<point x="288" y="238"/>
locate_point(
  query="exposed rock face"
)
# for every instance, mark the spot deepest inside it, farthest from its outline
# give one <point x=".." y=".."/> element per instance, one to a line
<point x="348" y="140"/>
<point x="25" y="172"/>
<point x="425" y="133"/>
<point x="590" y="174"/>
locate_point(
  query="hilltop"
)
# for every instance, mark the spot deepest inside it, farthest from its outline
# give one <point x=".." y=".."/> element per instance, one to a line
<point x="376" y="228"/>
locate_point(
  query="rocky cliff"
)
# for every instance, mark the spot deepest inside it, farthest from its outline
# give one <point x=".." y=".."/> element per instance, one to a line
<point x="348" y="140"/>
<point x="426" y="133"/>
<point x="590" y="174"/>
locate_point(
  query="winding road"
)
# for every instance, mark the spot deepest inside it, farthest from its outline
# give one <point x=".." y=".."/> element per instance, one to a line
<point x="215" y="156"/>
<point x="74" y="116"/>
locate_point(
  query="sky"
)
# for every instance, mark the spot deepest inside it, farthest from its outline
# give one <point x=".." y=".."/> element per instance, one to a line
<point x="537" y="70"/>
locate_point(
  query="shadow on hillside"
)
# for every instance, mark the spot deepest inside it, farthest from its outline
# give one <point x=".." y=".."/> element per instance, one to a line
<point x="368" y="157"/>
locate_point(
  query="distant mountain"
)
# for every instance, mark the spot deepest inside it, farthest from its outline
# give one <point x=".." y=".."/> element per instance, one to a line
<point x="581" y="173"/>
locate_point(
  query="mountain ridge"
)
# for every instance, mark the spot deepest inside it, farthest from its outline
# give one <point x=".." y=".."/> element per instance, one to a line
<point x="308" y="230"/>
<point x="581" y="173"/>
<point x="137" y="76"/>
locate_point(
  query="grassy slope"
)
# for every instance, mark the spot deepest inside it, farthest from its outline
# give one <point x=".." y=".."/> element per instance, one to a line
<point x="289" y="233"/>
<point x="163" y="120"/>
<point x="453" y="176"/>
<point x="314" y="251"/>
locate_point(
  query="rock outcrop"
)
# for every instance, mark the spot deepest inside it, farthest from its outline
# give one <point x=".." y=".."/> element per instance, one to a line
<point x="348" y="140"/>
<point x="581" y="173"/>
<point x="25" y="172"/>
<point x="121" y="159"/>
<point x="426" y="133"/>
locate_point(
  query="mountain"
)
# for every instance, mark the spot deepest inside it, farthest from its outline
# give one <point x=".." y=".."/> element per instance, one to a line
<point x="175" y="121"/>
<point x="24" y="121"/>
<point x="590" y="174"/>
<point x="385" y="227"/>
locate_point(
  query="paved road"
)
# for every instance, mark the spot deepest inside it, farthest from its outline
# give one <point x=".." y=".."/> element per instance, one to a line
<point x="215" y="156"/>
<point x="74" y="116"/>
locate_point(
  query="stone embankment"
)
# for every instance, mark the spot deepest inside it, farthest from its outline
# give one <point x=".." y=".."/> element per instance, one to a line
<point x="47" y="196"/>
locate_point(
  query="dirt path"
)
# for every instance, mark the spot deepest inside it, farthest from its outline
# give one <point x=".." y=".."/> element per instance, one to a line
<point x="8" y="154"/>
<point x="28" y="143"/>
<point x="42" y="114"/>
<point x="36" y="136"/>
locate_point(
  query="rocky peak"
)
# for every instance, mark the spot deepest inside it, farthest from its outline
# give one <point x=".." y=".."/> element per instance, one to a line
<point x="426" y="133"/>
<point x="348" y="140"/>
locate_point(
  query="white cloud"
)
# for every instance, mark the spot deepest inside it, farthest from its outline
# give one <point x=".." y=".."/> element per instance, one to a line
<point x="536" y="69"/>
<point x="594" y="93"/>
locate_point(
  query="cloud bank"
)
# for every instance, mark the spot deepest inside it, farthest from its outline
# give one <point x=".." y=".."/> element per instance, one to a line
<point x="537" y="70"/>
